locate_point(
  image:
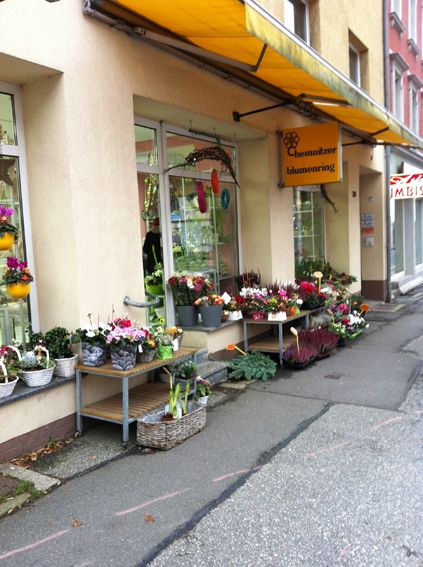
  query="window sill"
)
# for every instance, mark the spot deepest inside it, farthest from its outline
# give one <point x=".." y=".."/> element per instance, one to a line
<point x="396" y="22"/>
<point x="22" y="391"/>
<point x="413" y="47"/>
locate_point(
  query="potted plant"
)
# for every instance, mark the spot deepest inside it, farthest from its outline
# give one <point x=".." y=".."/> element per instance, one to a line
<point x="10" y="368"/>
<point x="176" y="333"/>
<point x="8" y="232"/>
<point x="58" y="343"/>
<point x="298" y="358"/>
<point x="234" y="309"/>
<point x="323" y="339"/>
<point x="163" y="429"/>
<point x="93" y="342"/>
<point x="37" y="370"/>
<point x="124" y="339"/>
<point x="17" y="278"/>
<point x="164" y="344"/>
<point x="203" y="391"/>
<point x="147" y="350"/>
<point x="185" y="373"/>
<point x="275" y="308"/>
<point x="185" y="290"/>
<point x="251" y="365"/>
<point x="211" y="307"/>
<point x="154" y="281"/>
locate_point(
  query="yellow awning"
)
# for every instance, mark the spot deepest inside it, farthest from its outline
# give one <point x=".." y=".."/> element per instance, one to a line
<point x="239" y="31"/>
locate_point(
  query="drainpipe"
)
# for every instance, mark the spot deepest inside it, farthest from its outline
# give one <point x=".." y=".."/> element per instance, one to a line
<point x="387" y="152"/>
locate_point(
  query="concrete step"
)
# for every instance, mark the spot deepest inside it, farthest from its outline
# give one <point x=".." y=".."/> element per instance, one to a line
<point x="213" y="371"/>
<point x="201" y="356"/>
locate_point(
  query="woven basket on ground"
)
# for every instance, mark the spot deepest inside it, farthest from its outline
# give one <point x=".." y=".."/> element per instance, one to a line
<point x="65" y="367"/>
<point x="152" y="432"/>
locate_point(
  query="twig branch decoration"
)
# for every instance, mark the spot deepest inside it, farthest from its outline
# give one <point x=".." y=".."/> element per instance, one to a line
<point x="213" y="153"/>
<point x="326" y="197"/>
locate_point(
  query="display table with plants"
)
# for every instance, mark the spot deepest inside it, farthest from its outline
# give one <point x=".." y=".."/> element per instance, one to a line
<point x="126" y="407"/>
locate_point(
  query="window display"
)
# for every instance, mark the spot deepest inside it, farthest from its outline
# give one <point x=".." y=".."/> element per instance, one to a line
<point x="308" y="224"/>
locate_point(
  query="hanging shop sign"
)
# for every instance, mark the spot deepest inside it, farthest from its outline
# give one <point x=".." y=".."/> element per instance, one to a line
<point x="406" y="186"/>
<point x="312" y="155"/>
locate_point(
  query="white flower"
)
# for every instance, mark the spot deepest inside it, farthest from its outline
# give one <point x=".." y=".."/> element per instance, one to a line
<point x="90" y="334"/>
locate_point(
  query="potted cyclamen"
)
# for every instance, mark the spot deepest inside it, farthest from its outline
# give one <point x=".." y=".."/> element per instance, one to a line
<point x="211" y="307"/>
<point x="233" y="308"/>
<point x="10" y="369"/>
<point x="275" y="308"/>
<point x="8" y="232"/>
<point x="17" y="278"/>
<point x="147" y="349"/>
<point x="203" y="391"/>
<point x="124" y="339"/>
<point x="93" y="342"/>
<point x="58" y="343"/>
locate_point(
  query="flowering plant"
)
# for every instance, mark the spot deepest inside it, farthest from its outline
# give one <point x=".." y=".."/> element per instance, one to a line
<point x="209" y="300"/>
<point x="93" y="334"/>
<point x="17" y="272"/>
<point x="162" y="337"/>
<point x="175" y="332"/>
<point x="149" y="343"/>
<point x="203" y="388"/>
<point x="186" y="289"/>
<point x="119" y="337"/>
<point x="156" y="277"/>
<point x="5" y="225"/>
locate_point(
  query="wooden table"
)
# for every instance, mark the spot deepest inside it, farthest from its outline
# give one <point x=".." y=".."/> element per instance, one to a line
<point x="122" y="408"/>
<point x="276" y="344"/>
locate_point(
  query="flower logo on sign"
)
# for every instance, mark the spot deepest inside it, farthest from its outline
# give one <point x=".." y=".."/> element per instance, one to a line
<point x="291" y="140"/>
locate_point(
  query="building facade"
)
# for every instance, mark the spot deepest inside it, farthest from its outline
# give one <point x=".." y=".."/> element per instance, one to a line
<point x="405" y="82"/>
<point x="100" y="103"/>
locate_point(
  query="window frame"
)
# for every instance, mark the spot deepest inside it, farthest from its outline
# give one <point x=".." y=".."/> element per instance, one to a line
<point x="396" y="71"/>
<point x="413" y="113"/>
<point x="352" y="48"/>
<point x="397" y="4"/>
<point x="18" y="151"/>
<point x="306" y="39"/>
<point x="412" y="21"/>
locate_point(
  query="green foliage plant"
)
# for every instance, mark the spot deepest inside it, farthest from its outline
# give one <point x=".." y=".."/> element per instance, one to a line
<point x="252" y="366"/>
<point x="57" y="341"/>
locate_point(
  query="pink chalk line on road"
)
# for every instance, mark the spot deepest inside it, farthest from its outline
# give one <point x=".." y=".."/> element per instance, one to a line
<point x="149" y="502"/>
<point x="235" y="473"/>
<point x="33" y="545"/>
<point x="387" y="422"/>
<point x="328" y="449"/>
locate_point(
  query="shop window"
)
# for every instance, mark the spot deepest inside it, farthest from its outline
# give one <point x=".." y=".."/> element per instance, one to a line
<point x="14" y="314"/>
<point x="176" y="236"/>
<point x="397" y="236"/>
<point x="309" y="224"/>
<point x="204" y="242"/>
<point x="419" y="231"/>
<point x="296" y="18"/>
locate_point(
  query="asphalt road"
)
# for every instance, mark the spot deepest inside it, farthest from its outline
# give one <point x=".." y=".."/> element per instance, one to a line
<point x="320" y="467"/>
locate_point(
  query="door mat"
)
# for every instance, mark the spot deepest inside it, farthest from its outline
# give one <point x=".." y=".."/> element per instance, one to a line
<point x="386" y="308"/>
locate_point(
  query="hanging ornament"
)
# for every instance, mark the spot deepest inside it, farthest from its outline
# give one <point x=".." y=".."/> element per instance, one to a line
<point x="215" y="181"/>
<point x="225" y="199"/>
<point x="201" y="194"/>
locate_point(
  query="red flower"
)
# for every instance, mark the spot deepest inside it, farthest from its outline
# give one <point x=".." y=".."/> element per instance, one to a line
<point x="24" y="278"/>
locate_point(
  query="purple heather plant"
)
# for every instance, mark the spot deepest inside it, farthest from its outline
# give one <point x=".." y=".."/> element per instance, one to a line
<point x="307" y="353"/>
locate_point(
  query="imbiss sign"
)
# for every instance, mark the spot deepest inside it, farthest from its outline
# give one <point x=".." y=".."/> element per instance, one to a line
<point x="406" y="186"/>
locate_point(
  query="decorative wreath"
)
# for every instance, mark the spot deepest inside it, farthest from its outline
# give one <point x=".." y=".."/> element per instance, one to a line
<point x="214" y="153"/>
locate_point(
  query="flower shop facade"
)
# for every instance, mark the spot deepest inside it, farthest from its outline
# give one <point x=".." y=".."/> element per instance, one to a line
<point x="100" y="138"/>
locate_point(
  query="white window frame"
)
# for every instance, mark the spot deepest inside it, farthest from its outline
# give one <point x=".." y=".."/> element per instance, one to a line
<point x="394" y="72"/>
<point x="396" y="6"/>
<point x="164" y="190"/>
<point x="414" y="109"/>
<point x="307" y="20"/>
<point x="19" y="152"/>
<point x="412" y="20"/>
<point x="358" y="67"/>
<point x="315" y="190"/>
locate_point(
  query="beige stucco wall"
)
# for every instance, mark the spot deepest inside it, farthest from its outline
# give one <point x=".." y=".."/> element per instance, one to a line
<point x="330" y="23"/>
<point x="82" y="171"/>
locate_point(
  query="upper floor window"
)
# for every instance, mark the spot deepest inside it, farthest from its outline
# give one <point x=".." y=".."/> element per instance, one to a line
<point x="296" y="18"/>
<point x="412" y="20"/>
<point x="396" y="7"/>
<point x="355" y="73"/>
<point x="397" y="93"/>
<point x="414" y="109"/>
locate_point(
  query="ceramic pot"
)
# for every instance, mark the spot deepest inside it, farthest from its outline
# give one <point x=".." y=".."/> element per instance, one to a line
<point x="7" y="241"/>
<point x="124" y="358"/>
<point x="93" y="355"/>
<point x="18" y="290"/>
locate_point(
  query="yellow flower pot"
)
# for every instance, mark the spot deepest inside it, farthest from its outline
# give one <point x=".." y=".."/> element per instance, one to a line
<point x="18" y="290"/>
<point x="7" y="241"/>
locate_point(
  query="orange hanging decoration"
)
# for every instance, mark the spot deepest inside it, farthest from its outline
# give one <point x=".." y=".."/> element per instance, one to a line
<point x="215" y="181"/>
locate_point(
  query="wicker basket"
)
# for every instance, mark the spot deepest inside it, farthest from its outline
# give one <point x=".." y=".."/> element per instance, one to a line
<point x="152" y="432"/>
<point x="7" y="387"/>
<point x="65" y="367"/>
<point x="34" y="378"/>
